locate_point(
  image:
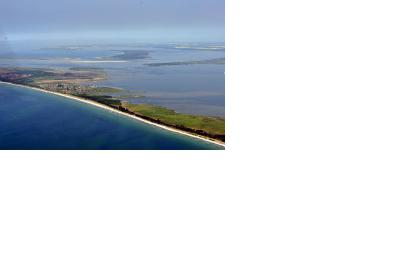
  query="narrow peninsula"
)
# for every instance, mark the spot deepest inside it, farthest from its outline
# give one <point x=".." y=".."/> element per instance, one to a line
<point x="73" y="83"/>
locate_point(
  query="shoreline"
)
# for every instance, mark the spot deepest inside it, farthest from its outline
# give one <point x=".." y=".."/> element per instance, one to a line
<point x="102" y="106"/>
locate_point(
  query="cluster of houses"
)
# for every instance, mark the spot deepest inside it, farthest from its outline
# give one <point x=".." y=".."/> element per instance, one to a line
<point x="67" y="88"/>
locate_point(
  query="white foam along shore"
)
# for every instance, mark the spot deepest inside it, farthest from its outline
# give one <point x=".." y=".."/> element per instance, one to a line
<point x="90" y="102"/>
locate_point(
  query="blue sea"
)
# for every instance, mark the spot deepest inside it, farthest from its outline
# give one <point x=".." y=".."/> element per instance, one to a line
<point x="32" y="120"/>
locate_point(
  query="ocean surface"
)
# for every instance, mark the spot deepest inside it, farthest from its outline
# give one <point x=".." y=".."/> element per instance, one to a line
<point x="31" y="120"/>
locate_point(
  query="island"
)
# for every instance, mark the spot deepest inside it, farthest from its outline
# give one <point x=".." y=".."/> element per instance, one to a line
<point x="218" y="61"/>
<point x="74" y="83"/>
<point x="129" y="55"/>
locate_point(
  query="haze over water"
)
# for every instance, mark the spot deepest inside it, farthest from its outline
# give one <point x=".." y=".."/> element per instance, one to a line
<point x="192" y="89"/>
<point x="144" y="20"/>
<point x="183" y="34"/>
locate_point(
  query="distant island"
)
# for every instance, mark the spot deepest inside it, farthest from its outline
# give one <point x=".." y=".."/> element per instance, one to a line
<point x="71" y="83"/>
<point x="200" y="48"/>
<point x="130" y="55"/>
<point x="220" y="61"/>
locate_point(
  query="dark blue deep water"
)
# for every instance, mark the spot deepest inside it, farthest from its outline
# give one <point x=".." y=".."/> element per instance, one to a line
<point x="31" y="120"/>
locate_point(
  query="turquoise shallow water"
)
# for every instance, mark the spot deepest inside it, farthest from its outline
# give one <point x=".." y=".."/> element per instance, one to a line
<point x="31" y="120"/>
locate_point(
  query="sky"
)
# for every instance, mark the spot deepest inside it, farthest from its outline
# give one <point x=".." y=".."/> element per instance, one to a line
<point x="145" y="19"/>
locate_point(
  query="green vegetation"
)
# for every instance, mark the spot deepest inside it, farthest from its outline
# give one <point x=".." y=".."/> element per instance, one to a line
<point x="212" y="126"/>
<point x="205" y="126"/>
<point x="69" y="82"/>
<point x="103" y="99"/>
<point x="99" y="90"/>
<point x="115" y="92"/>
<point x="36" y="76"/>
<point x="130" y="96"/>
<point x="130" y="55"/>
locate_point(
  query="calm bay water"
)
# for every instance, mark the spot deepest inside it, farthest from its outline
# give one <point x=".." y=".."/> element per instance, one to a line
<point x="193" y="89"/>
<point x="32" y="120"/>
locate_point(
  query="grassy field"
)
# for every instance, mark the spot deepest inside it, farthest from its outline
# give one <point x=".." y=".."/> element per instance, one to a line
<point x="99" y="90"/>
<point x="103" y="99"/>
<point x="35" y="76"/>
<point x="68" y="83"/>
<point x="114" y="92"/>
<point x="215" y="126"/>
<point x="207" y="126"/>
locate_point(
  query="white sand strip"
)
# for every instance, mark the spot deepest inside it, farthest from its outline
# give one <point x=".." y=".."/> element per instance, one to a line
<point x="121" y="113"/>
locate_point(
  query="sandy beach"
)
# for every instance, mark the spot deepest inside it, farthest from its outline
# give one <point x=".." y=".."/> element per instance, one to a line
<point x="120" y="113"/>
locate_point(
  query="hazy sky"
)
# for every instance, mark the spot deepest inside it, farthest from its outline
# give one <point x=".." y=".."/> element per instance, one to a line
<point x="140" y="18"/>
